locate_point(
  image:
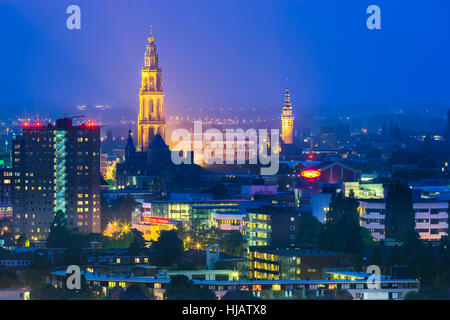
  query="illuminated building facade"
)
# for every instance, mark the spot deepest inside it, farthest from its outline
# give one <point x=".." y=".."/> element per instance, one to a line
<point x="287" y="120"/>
<point x="190" y="210"/>
<point x="391" y="289"/>
<point x="56" y="168"/>
<point x="271" y="225"/>
<point x="150" y="227"/>
<point x="6" y="193"/>
<point x="431" y="218"/>
<point x="364" y="190"/>
<point x="295" y="263"/>
<point x="227" y="221"/>
<point x="151" y="120"/>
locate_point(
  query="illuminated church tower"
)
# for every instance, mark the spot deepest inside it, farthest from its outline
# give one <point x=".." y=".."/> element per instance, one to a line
<point x="151" y="120"/>
<point x="287" y="120"/>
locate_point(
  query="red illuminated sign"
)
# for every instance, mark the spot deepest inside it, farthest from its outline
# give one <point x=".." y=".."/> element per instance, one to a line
<point x="155" y="220"/>
<point x="90" y="124"/>
<point x="311" y="174"/>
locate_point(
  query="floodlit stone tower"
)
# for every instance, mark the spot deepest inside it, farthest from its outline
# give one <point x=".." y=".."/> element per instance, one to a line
<point x="287" y="120"/>
<point x="151" y="120"/>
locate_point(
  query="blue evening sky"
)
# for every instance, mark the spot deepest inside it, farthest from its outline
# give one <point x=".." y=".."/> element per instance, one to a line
<point x="226" y="53"/>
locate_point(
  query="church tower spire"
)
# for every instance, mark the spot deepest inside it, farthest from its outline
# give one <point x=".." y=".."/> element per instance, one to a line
<point x="151" y="120"/>
<point x="129" y="147"/>
<point x="287" y="119"/>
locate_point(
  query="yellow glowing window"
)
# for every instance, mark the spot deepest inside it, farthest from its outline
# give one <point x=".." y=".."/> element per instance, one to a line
<point x="276" y="287"/>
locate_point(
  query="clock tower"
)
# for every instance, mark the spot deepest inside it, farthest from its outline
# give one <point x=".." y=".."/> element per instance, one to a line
<point x="151" y="120"/>
<point x="287" y="120"/>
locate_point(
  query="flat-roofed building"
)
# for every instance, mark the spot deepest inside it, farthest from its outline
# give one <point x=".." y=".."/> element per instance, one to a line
<point x="364" y="190"/>
<point x="228" y="220"/>
<point x="271" y="225"/>
<point x="391" y="289"/>
<point x="431" y="218"/>
<point x="295" y="263"/>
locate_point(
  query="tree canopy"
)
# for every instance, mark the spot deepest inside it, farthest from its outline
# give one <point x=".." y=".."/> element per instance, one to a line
<point x="168" y="249"/>
<point x="181" y="288"/>
<point x="342" y="231"/>
<point x="61" y="236"/>
<point x="399" y="215"/>
<point x="309" y="229"/>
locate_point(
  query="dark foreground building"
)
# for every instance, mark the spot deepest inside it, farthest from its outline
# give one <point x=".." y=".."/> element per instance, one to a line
<point x="295" y="263"/>
<point x="56" y="167"/>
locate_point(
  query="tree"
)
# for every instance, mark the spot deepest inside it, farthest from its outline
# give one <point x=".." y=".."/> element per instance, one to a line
<point x="399" y="215"/>
<point x="22" y="241"/>
<point x="309" y="229"/>
<point x="181" y="288"/>
<point x="118" y="240"/>
<point x="46" y="291"/>
<point x="106" y="215"/>
<point x="35" y="273"/>
<point x="342" y="231"/>
<point x="61" y="236"/>
<point x="200" y="235"/>
<point x="168" y="249"/>
<point x="7" y="278"/>
<point x="367" y="237"/>
<point x="138" y="242"/>
<point x="122" y="208"/>
<point x="232" y="243"/>
<point x="376" y="258"/>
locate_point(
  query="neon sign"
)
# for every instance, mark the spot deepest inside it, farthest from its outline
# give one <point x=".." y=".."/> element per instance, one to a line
<point x="311" y="174"/>
<point x="155" y="220"/>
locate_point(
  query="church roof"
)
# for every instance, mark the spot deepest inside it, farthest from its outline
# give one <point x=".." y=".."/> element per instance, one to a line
<point x="158" y="143"/>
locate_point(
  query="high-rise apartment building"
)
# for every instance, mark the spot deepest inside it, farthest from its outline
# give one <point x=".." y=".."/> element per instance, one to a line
<point x="5" y="193"/>
<point x="56" y="167"/>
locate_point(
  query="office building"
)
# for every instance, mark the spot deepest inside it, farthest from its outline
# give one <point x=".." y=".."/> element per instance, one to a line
<point x="271" y="225"/>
